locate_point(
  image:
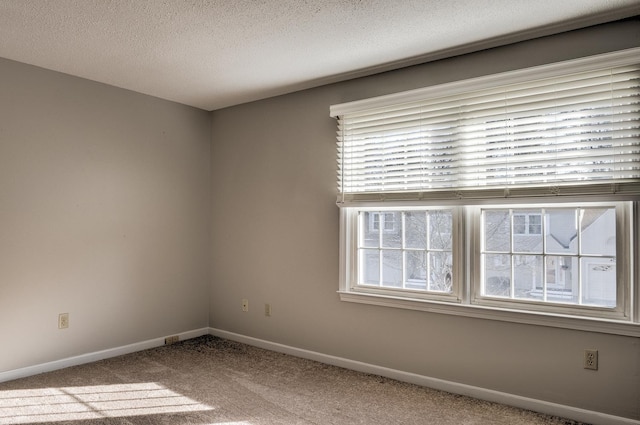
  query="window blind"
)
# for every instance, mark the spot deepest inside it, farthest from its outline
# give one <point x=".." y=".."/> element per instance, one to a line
<point x="569" y="129"/>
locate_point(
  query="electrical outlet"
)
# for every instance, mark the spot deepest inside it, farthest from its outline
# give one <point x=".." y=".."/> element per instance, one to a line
<point x="591" y="359"/>
<point x="171" y="339"/>
<point x="267" y="310"/>
<point x="245" y="304"/>
<point x="63" y="320"/>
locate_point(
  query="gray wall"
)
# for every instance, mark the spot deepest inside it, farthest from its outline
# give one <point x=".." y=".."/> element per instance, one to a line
<point x="104" y="214"/>
<point x="275" y="240"/>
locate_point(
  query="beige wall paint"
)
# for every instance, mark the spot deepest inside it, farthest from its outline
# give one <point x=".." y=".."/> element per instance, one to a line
<point x="104" y="214"/>
<point x="275" y="240"/>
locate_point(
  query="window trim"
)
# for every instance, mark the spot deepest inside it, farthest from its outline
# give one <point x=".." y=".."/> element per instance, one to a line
<point x="350" y="280"/>
<point x="622" y="310"/>
<point x="615" y="327"/>
<point x="462" y="304"/>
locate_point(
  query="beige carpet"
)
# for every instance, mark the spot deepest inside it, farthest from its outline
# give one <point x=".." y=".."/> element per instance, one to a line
<point x="212" y="381"/>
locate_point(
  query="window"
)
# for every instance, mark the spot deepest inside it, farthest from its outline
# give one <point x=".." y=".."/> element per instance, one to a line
<point x="415" y="255"/>
<point x="571" y="259"/>
<point x="526" y="223"/>
<point x="382" y="221"/>
<point x="511" y="193"/>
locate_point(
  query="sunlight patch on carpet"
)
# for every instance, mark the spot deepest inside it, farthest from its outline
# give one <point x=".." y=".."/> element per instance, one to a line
<point x="92" y="402"/>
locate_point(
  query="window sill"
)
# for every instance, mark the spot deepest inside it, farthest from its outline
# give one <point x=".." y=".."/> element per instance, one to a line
<point x="491" y="313"/>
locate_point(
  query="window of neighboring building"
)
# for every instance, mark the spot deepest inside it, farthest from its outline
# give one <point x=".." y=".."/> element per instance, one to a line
<point x="509" y="193"/>
<point x="381" y="221"/>
<point x="526" y="223"/>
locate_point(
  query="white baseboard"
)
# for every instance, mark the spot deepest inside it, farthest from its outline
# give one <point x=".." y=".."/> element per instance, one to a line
<point x="545" y="407"/>
<point x="540" y="406"/>
<point x="95" y="356"/>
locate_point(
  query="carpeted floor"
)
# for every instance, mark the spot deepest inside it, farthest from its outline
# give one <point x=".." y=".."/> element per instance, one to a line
<point x="212" y="381"/>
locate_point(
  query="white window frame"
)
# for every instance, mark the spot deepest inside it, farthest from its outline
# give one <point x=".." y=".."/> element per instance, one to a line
<point x="350" y="259"/>
<point x="466" y="299"/>
<point x="624" y="266"/>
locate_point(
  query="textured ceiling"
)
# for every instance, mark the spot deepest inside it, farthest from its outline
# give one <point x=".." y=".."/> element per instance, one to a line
<point x="215" y="53"/>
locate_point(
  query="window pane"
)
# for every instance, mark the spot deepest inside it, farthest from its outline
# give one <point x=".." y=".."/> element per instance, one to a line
<point x="440" y="229"/>
<point x="416" y="270"/>
<point x="564" y="267"/>
<point x="599" y="277"/>
<point x="497" y="275"/>
<point x="392" y="268"/>
<point x="370" y="229"/>
<point x="497" y="230"/>
<point x="440" y="275"/>
<point x="406" y="249"/>
<point x="562" y="279"/>
<point x="561" y="231"/>
<point x="392" y="229"/>
<point x="527" y="276"/>
<point x="416" y="229"/>
<point x="370" y="266"/>
<point x="598" y="231"/>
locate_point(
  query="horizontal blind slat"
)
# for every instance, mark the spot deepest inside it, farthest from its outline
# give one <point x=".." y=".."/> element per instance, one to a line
<point x="570" y="128"/>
